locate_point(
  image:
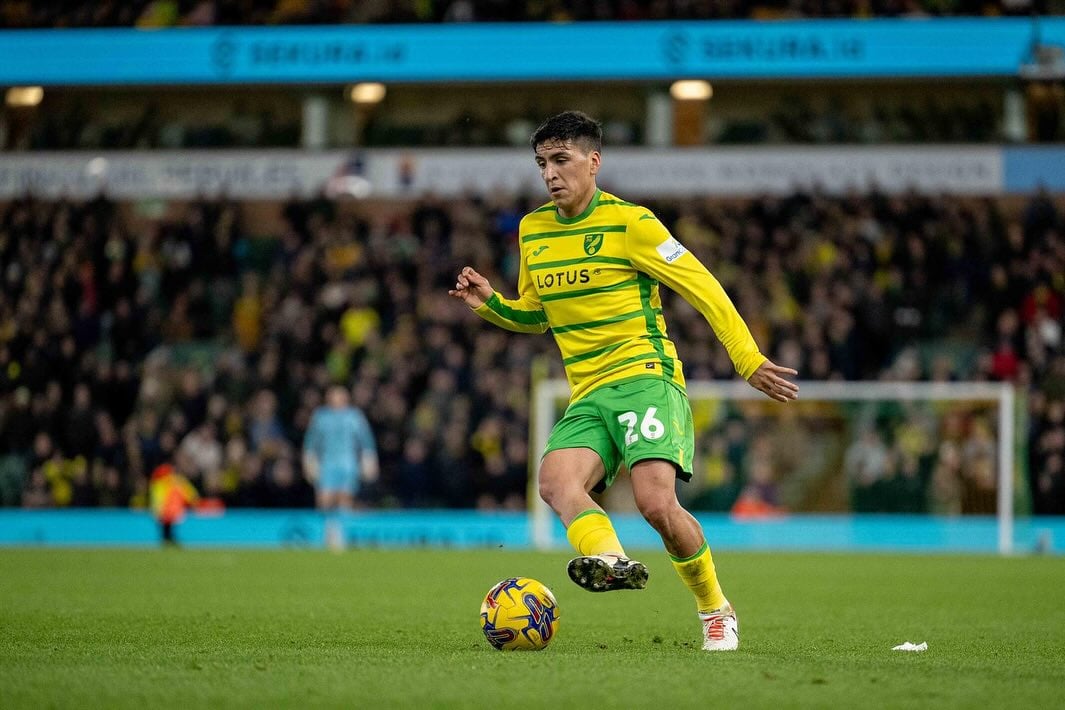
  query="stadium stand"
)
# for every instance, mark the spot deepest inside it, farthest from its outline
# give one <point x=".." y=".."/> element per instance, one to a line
<point x="137" y="333"/>
<point x="205" y="335"/>
<point x="793" y="121"/>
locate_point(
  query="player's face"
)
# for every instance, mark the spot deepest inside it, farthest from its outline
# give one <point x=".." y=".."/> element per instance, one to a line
<point x="568" y="171"/>
<point x="337" y="397"/>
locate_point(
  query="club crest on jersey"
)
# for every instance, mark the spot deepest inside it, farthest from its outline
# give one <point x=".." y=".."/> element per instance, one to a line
<point x="593" y="243"/>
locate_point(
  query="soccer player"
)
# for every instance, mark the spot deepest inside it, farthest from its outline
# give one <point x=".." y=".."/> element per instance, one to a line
<point x="589" y="270"/>
<point x="338" y="453"/>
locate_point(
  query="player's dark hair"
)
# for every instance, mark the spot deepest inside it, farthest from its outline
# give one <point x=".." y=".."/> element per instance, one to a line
<point x="570" y="126"/>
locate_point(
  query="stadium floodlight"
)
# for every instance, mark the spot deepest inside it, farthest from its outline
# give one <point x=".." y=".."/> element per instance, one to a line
<point x="24" y="96"/>
<point x="97" y="167"/>
<point x="367" y="92"/>
<point x="691" y="90"/>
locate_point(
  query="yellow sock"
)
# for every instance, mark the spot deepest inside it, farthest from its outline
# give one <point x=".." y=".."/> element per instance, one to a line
<point x="699" y="574"/>
<point x="591" y="533"/>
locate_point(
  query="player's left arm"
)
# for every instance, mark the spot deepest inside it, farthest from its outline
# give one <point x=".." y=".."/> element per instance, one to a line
<point x="310" y="449"/>
<point x="654" y="251"/>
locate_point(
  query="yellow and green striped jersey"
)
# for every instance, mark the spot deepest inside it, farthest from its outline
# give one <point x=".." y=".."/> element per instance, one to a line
<point x="593" y="280"/>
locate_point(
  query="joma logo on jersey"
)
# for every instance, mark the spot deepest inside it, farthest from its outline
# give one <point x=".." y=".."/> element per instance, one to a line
<point x="593" y="243"/>
<point x="569" y="277"/>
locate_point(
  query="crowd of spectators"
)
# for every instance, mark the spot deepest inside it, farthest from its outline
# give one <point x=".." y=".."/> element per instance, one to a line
<point x="73" y="128"/>
<point x="128" y="343"/>
<point x="795" y="120"/>
<point x="168" y="13"/>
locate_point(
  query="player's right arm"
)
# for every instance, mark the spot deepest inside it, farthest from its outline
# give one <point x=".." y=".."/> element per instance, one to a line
<point x="524" y="314"/>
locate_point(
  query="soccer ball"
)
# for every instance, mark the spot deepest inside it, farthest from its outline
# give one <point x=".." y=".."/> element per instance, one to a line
<point x="519" y="614"/>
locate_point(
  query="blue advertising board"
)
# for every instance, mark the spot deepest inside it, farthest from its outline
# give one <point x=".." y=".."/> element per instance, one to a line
<point x="1031" y="168"/>
<point x="803" y="49"/>
<point x="472" y="529"/>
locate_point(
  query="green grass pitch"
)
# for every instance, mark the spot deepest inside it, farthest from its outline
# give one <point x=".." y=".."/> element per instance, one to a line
<point x="372" y="629"/>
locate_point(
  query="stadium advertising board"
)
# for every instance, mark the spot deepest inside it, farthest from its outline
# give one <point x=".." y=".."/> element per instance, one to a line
<point x="633" y="171"/>
<point x="953" y="47"/>
<point x="472" y="529"/>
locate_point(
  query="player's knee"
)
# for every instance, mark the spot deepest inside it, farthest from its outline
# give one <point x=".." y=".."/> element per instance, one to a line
<point x="553" y="490"/>
<point x="657" y="510"/>
<point x="549" y="491"/>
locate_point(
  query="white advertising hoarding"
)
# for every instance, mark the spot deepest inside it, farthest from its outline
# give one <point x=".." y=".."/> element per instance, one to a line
<point x="630" y="172"/>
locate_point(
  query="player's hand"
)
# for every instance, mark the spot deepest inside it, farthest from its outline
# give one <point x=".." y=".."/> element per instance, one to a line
<point x="769" y="379"/>
<point x="310" y="468"/>
<point x="471" y="288"/>
<point x="370" y="467"/>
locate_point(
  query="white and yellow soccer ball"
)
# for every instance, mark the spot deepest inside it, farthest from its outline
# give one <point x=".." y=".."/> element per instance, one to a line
<point x="519" y="614"/>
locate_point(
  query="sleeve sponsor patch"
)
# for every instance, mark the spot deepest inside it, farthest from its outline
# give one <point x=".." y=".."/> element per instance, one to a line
<point x="670" y="250"/>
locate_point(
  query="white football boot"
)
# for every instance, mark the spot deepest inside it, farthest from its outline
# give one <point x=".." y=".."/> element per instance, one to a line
<point x="721" y="630"/>
<point x="607" y="572"/>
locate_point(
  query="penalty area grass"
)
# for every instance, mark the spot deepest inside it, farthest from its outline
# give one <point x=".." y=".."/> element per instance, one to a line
<point x="374" y="628"/>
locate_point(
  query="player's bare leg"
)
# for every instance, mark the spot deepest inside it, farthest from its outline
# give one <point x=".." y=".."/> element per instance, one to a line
<point x="331" y="503"/>
<point x="653" y="485"/>
<point x="566" y="477"/>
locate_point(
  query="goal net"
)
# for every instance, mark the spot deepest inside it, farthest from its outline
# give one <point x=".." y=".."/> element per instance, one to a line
<point x="945" y="449"/>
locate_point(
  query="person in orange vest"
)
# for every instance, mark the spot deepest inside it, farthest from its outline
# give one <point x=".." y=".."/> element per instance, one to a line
<point x="171" y="493"/>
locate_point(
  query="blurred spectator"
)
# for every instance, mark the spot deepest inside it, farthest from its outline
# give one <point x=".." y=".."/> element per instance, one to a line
<point x="79" y="436"/>
<point x="203" y="453"/>
<point x="760" y="496"/>
<point x="1047" y="453"/>
<point x="867" y="463"/>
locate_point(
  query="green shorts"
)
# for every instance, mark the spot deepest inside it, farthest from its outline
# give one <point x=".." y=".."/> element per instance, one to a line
<point x="633" y="421"/>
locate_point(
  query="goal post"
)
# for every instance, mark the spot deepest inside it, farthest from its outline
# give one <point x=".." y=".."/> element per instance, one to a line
<point x="841" y="400"/>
